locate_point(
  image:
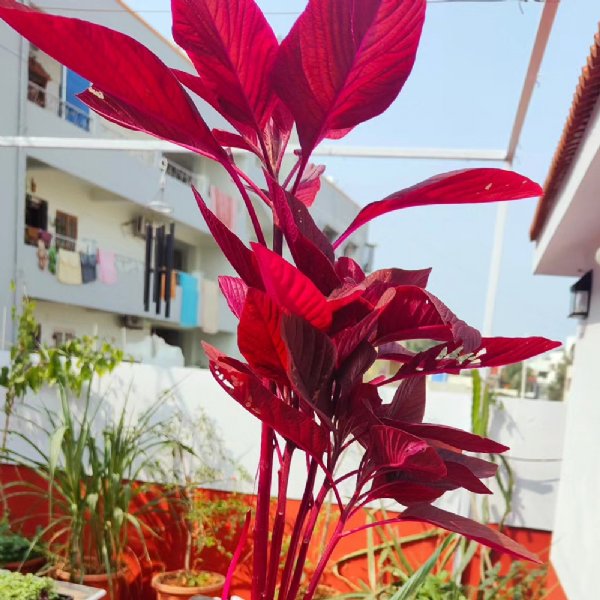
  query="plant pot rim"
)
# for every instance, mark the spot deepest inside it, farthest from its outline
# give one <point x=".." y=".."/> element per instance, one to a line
<point x="63" y="575"/>
<point x="30" y="563"/>
<point x="177" y="589"/>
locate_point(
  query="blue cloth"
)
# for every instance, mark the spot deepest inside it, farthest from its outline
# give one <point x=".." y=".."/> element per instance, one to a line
<point x="189" y="300"/>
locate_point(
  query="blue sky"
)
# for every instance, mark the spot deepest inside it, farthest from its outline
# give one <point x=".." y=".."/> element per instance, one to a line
<point x="463" y="93"/>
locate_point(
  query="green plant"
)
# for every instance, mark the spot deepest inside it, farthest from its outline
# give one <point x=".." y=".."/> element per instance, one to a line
<point x="210" y="520"/>
<point x="14" y="586"/>
<point x="519" y="583"/>
<point x="14" y="548"/>
<point x="90" y="482"/>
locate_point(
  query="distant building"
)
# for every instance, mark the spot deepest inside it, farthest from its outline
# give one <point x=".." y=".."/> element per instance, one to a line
<point x="566" y="230"/>
<point x="60" y="207"/>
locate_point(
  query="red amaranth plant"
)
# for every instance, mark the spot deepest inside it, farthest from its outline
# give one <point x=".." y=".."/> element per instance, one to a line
<point x="309" y="330"/>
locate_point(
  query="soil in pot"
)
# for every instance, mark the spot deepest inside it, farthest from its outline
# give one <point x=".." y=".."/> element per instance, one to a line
<point x="175" y="585"/>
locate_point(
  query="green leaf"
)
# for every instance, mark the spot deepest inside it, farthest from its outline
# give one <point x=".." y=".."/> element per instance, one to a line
<point x="56" y="441"/>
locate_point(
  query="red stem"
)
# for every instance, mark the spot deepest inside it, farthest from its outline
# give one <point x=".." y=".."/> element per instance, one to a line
<point x="261" y="525"/>
<point x="303" y="512"/>
<point x="233" y="172"/>
<point x="279" y="522"/>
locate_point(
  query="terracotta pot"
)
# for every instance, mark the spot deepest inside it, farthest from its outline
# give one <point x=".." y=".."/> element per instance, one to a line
<point x="175" y="592"/>
<point x="101" y="581"/>
<point x="33" y="565"/>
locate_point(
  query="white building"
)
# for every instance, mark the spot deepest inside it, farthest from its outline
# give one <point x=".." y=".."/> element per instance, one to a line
<point x="566" y="230"/>
<point x="91" y="201"/>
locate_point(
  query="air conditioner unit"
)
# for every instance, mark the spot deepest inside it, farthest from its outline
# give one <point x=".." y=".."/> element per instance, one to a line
<point x="138" y="226"/>
<point x="132" y="322"/>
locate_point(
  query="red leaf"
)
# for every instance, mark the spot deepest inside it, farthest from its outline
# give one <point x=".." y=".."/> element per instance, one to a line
<point x="451" y="436"/>
<point x="379" y="281"/>
<point x="309" y="247"/>
<point x="460" y="476"/>
<point x="471" y="529"/>
<point x="354" y="367"/>
<point x="288" y="422"/>
<point x="291" y="289"/>
<point x="499" y="351"/>
<point x="310" y="184"/>
<point x="311" y="359"/>
<point x="482" y="469"/>
<point x="259" y="336"/>
<point x="348" y="268"/>
<point x="239" y="256"/>
<point x="345" y="62"/>
<point x="235" y="290"/>
<point x="233" y="140"/>
<point x="408" y="403"/>
<point x="233" y="49"/>
<point x="122" y="69"/>
<point x="415" y="313"/>
<point x="393" y="448"/>
<point x="471" y="186"/>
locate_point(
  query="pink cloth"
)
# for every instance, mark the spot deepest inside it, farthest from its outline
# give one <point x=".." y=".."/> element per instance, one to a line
<point x="224" y="206"/>
<point x="107" y="270"/>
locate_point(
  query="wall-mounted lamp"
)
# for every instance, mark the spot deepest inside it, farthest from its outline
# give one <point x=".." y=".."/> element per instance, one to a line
<point x="581" y="294"/>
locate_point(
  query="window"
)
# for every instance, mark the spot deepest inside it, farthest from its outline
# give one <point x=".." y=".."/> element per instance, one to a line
<point x="61" y="337"/>
<point x="36" y="218"/>
<point x="66" y="230"/>
<point x="330" y="233"/>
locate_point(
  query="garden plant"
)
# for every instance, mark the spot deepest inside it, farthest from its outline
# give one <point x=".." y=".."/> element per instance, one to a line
<point x="312" y="326"/>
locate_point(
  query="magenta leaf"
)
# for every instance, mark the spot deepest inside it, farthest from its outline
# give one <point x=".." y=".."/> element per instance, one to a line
<point x="233" y="49"/>
<point x="310" y="249"/>
<point x="130" y="76"/>
<point x="379" y="281"/>
<point x="228" y="139"/>
<point x="235" y="559"/>
<point x="259" y="336"/>
<point x="311" y="359"/>
<point x="408" y="403"/>
<point x="470" y="529"/>
<point x="310" y="184"/>
<point x="239" y="256"/>
<point x="290" y="423"/>
<point x="345" y="62"/>
<point x="291" y="289"/>
<point x="471" y="186"/>
<point x="235" y="290"/>
<point x="451" y="436"/>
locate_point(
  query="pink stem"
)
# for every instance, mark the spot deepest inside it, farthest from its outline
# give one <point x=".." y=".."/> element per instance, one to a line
<point x="369" y="526"/>
<point x="279" y="522"/>
<point x="233" y="172"/>
<point x="253" y="185"/>
<point x="261" y="525"/>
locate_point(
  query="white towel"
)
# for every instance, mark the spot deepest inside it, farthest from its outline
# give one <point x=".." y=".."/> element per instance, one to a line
<point x="68" y="269"/>
<point x="210" y="306"/>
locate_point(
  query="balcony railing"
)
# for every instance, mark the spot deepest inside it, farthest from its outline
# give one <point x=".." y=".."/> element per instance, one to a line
<point x="45" y="99"/>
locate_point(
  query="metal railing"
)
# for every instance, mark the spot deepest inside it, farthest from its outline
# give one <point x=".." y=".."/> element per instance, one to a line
<point x="45" y="99"/>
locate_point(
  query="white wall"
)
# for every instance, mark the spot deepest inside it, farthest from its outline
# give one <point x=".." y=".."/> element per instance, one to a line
<point x="526" y="424"/>
<point x="575" y="548"/>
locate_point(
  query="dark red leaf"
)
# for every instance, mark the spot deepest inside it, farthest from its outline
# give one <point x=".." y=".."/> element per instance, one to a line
<point x="233" y="49"/>
<point x="235" y="290"/>
<point x="233" y="140"/>
<point x="291" y="289"/>
<point x="404" y="491"/>
<point x="288" y="422"/>
<point x="451" y="436"/>
<point x="393" y="448"/>
<point x="482" y="469"/>
<point x="348" y="268"/>
<point x="354" y="367"/>
<point x="459" y="476"/>
<point x="259" y="336"/>
<point x="345" y="62"/>
<point x="311" y="359"/>
<point x="310" y="184"/>
<point x="310" y="249"/>
<point x="239" y="256"/>
<point x="128" y="74"/>
<point x="471" y="186"/>
<point x="408" y="403"/>
<point x="471" y="529"/>
<point x="499" y="351"/>
<point x="379" y="281"/>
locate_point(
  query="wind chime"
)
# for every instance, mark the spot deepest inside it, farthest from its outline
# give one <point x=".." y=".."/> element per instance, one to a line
<point x="160" y="254"/>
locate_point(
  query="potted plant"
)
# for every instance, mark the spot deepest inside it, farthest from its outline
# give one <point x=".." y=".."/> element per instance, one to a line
<point x="16" y="552"/>
<point x="309" y="327"/>
<point x="209" y="519"/>
<point x="17" y="586"/>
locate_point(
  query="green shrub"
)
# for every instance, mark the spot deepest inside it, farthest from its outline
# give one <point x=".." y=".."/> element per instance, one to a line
<point x="15" y="586"/>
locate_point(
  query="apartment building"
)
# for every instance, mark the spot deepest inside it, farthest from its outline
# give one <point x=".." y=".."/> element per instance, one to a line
<point x="73" y="222"/>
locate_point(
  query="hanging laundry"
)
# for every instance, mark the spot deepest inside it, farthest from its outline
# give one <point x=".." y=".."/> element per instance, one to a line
<point x="107" y="271"/>
<point x="163" y="285"/>
<point x="68" y="269"/>
<point x="52" y="255"/>
<point x="88" y="266"/>
<point x="189" y="300"/>
<point x="224" y="206"/>
<point x="210" y="306"/>
<point x="42" y="255"/>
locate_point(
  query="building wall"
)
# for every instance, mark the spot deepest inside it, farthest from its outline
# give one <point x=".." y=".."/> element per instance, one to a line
<point x="575" y="548"/>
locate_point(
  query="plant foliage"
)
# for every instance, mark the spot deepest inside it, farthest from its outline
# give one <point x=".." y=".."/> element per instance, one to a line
<point x="311" y="327"/>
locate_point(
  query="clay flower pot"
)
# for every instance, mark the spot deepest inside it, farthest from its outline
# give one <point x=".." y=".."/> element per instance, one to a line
<point x="167" y="589"/>
<point x="33" y="565"/>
